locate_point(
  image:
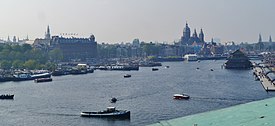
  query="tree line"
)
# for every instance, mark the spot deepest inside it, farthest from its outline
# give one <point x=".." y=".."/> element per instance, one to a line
<point x="26" y="57"/>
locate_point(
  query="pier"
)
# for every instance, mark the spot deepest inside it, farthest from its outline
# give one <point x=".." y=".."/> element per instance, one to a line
<point x="266" y="82"/>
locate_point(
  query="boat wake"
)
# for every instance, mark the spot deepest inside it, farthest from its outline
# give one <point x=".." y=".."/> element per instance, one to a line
<point x="137" y="96"/>
<point x="57" y="114"/>
<point x="224" y="99"/>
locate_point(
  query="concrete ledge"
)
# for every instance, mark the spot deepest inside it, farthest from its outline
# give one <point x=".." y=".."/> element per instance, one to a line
<point x="258" y="113"/>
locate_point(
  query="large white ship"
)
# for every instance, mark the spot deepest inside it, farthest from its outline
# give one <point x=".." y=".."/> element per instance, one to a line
<point x="190" y="57"/>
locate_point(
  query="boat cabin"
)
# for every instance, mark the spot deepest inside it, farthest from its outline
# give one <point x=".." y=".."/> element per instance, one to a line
<point x="111" y="109"/>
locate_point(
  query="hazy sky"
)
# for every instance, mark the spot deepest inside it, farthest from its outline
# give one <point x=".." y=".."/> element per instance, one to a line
<point x="149" y="20"/>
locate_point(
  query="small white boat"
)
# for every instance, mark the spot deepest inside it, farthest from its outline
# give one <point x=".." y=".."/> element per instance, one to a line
<point x="181" y="96"/>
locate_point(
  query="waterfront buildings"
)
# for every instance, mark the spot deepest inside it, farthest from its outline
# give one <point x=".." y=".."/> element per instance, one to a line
<point x="72" y="48"/>
<point x="81" y="49"/>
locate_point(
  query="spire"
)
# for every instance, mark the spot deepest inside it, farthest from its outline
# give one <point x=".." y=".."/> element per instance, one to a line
<point x="48" y="29"/>
<point x="8" y="39"/>
<point x="195" y="34"/>
<point x="48" y="33"/>
<point x="201" y="36"/>
<point x="270" y="39"/>
<point x="260" y="38"/>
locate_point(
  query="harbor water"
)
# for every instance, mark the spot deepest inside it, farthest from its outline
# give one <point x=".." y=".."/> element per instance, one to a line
<point x="147" y="94"/>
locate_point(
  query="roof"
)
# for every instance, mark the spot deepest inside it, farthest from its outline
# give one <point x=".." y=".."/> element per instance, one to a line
<point x="258" y="113"/>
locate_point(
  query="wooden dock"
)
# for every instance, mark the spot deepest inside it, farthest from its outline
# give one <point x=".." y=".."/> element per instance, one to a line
<point x="264" y="79"/>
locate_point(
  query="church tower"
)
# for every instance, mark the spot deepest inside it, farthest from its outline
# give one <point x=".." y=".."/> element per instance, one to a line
<point x="186" y="33"/>
<point x="195" y="35"/>
<point x="201" y="36"/>
<point x="14" y="39"/>
<point x="260" y="38"/>
<point x="270" y="39"/>
<point x="48" y="33"/>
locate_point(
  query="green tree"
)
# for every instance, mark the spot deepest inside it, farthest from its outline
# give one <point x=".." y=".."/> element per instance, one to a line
<point x="16" y="48"/>
<point x="26" y="47"/>
<point x="50" y="66"/>
<point x="56" y="55"/>
<point x="31" y="64"/>
<point x="4" y="54"/>
<point x="4" y="64"/>
<point x="18" y="64"/>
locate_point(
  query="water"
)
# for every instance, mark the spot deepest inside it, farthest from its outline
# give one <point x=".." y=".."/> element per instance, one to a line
<point x="147" y="94"/>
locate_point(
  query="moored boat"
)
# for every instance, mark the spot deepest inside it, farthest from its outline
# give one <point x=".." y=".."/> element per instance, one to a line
<point x="21" y="77"/>
<point x="6" y="96"/>
<point x="41" y="75"/>
<point x="38" y="80"/>
<point x="181" y="96"/>
<point x="111" y="112"/>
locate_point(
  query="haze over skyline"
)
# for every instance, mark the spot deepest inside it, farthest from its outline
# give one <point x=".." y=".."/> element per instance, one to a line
<point x="115" y="21"/>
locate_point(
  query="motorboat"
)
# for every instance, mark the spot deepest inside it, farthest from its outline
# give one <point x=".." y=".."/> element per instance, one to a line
<point x="111" y="112"/>
<point x="181" y="96"/>
<point x="166" y="66"/>
<point x="155" y="69"/>
<point x="127" y="75"/>
<point x="38" y="80"/>
<point x="7" y="96"/>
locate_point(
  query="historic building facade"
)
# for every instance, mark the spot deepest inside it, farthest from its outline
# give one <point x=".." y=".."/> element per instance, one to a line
<point x="187" y="39"/>
<point x="72" y="48"/>
<point x="82" y="49"/>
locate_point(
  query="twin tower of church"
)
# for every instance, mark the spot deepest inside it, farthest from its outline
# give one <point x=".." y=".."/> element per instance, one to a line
<point x="187" y="39"/>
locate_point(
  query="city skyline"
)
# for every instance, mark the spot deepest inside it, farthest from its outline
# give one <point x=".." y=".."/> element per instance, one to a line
<point x="125" y="20"/>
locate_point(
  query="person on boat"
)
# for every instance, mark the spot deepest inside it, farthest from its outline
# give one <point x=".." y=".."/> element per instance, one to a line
<point x="113" y="100"/>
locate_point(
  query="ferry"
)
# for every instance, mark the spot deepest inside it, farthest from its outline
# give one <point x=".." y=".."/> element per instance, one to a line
<point x="111" y="112"/>
<point x="190" y="57"/>
<point x="41" y="75"/>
